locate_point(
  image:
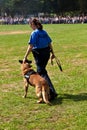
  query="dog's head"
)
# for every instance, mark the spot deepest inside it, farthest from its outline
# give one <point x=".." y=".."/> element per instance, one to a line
<point x="26" y="61"/>
<point x="25" y="65"/>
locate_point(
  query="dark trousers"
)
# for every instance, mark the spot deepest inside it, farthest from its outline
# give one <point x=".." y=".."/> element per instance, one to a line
<point x="41" y="57"/>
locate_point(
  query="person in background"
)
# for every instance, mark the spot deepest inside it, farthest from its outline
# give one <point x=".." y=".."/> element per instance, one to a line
<point x="41" y="47"/>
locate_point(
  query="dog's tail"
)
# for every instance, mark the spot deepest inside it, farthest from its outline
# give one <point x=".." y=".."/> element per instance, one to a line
<point x="45" y="94"/>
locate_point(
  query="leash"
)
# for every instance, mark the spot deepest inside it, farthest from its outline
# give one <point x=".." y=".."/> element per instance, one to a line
<point x="58" y="63"/>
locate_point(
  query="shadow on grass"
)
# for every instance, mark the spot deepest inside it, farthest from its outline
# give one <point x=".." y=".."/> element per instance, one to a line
<point x="73" y="97"/>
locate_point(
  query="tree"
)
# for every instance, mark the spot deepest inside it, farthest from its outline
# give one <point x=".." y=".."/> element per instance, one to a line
<point x="7" y="6"/>
<point x="82" y="5"/>
<point x="68" y="5"/>
<point x="25" y="7"/>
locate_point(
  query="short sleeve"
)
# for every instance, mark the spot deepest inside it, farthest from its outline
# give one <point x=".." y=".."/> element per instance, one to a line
<point x="48" y="38"/>
<point x="33" y="38"/>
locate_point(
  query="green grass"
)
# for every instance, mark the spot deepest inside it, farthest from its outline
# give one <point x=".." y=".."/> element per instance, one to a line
<point x="13" y="28"/>
<point x="69" y="110"/>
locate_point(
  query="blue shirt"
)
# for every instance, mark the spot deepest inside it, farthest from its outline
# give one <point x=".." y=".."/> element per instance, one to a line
<point x="39" y="39"/>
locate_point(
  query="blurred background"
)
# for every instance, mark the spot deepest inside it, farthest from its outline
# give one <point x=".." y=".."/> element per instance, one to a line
<point x="47" y="11"/>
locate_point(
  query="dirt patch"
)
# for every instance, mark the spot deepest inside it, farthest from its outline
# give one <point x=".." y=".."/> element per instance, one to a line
<point x="14" y="32"/>
<point x="78" y="62"/>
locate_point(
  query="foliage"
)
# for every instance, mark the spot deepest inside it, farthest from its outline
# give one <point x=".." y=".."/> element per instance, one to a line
<point x="26" y="7"/>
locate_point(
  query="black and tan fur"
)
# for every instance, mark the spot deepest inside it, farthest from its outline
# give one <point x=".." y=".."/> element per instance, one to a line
<point x="40" y="84"/>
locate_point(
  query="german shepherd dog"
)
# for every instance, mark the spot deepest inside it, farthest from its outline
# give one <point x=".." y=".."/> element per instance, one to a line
<point x="34" y="79"/>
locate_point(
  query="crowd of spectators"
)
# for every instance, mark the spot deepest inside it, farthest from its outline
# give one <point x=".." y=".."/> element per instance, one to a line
<point x="44" y="20"/>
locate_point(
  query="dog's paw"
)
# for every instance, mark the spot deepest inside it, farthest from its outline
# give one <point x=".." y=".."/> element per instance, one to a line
<point x="48" y="103"/>
<point x="39" y="101"/>
<point x="24" y="96"/>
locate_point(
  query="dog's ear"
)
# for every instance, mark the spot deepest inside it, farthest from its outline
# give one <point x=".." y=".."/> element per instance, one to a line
<point x="21" y="61"/>
<point x="28" y="61"/>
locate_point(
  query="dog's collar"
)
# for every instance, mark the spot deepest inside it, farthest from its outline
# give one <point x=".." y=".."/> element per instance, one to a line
<point x="28" y="74"/>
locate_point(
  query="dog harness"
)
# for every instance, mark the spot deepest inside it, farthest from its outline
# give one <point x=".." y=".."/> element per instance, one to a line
<point x="28" y="74"/>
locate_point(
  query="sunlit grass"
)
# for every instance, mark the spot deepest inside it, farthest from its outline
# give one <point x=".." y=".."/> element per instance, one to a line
<point x="69" y="110"/>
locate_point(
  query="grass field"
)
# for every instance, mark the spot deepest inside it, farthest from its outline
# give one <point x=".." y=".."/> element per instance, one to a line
<point x="69" y="110"/>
